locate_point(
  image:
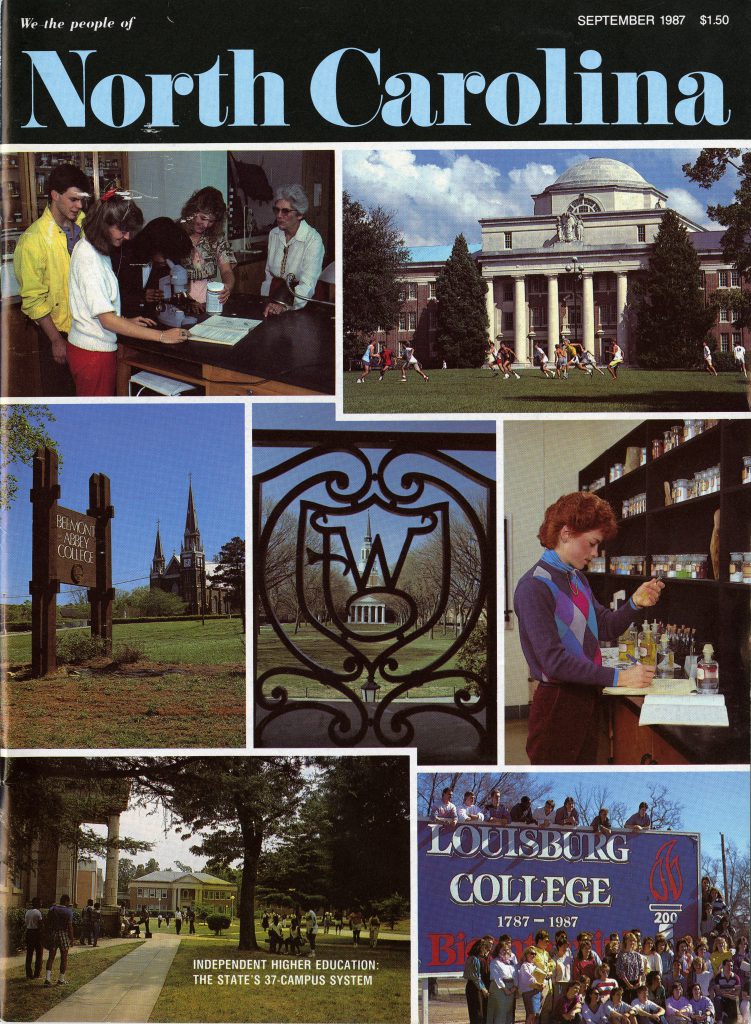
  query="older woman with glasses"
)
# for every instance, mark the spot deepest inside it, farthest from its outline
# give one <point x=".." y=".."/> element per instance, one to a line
<point x="203" y="219"/>
<point x="295" y="255"/>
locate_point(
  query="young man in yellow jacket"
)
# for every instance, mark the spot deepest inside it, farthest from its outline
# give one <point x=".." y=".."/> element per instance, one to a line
<point x="41" y="262"/>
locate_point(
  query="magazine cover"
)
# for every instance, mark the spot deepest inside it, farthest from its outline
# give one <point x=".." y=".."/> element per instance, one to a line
<point x="375" y="495"/>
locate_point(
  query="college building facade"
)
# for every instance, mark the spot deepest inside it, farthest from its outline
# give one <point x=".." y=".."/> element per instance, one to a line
<point x="163" y="892"/>
<point x="566" y="270"/>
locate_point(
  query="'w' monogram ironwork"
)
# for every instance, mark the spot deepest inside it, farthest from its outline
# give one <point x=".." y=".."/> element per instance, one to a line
<point x="363" y="650"/>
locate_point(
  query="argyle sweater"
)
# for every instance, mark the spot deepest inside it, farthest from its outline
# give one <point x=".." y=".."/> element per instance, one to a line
<point x="560" y="630"/>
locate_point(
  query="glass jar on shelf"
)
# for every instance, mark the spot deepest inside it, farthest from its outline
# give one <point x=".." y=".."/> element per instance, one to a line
<point x="746" y="567"/>
<point x="735" y="569"/>
<point x="746" y="471"/>
<point x="658" y="447"/>
<point x="667" y="440"/>
<point x="680" y="490"/>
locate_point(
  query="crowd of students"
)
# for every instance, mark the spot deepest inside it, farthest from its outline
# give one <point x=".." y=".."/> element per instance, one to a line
<point x="289" y="933"/>
<point x="692" y="980"/>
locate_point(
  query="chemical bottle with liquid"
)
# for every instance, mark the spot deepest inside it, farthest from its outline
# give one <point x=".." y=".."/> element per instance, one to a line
<point x="708" y="672"/>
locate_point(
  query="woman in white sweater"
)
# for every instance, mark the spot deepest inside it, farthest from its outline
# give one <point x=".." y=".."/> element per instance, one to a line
<point x="95" y="297"/>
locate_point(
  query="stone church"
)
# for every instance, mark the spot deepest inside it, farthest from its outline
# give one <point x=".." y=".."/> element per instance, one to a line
<point x="189" y="577"/>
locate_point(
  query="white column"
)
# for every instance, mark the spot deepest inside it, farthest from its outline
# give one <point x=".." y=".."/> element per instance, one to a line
<point x="621" y="293"/>
<point x="113" y="858"/>
<point x="521" y="318"/>
<point x="490" y="303"/>
<point x="588" y="313"/>
<point x="554" y="326"/>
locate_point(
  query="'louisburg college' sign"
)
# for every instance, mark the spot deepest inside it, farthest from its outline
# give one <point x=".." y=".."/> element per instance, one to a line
<point x="73" y="546"/>
<point x="475" y="880"/>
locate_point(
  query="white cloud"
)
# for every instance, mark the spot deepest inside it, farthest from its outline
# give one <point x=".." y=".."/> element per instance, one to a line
<point x="433" y="202"/>
<point x="680" y="199"/>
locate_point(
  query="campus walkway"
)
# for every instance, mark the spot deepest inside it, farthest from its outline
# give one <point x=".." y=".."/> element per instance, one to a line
<point x="126" y="991"/>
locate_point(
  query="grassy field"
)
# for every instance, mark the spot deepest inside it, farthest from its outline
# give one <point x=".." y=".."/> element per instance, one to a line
<point x="470" y="391"/>
<point x="28" y="1000"/>
<point x="325" y="652"/>
<point x="188" y="691"/>
<point x="281" y="994"/>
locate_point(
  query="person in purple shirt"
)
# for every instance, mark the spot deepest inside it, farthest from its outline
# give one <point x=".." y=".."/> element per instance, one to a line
<point x="495" y="810"/>
<point x="560" y="627"/>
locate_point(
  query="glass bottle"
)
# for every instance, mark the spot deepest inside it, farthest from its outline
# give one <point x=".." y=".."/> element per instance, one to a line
<point x="665" y="664"/>
<point x="708" y="672"/>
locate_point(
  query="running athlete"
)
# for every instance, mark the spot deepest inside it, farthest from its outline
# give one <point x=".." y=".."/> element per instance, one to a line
<point x="387" y="362"/>
<point x="505" y="355"/>
<point x="739" y="354"/>
<point x="491" y="358"/>
<point x="616" y="361"/>
<point x="708" y="360"/>
<point x="572" y="356"/>
<point x="541" y="358"/>
<point x="408" y="359"/>
<point x="560" y="360"/>
<point x="589" y="363"/>
<point x="369" y="355"/>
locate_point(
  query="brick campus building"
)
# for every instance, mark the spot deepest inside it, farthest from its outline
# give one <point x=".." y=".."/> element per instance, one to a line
<point x="599" y="219"/>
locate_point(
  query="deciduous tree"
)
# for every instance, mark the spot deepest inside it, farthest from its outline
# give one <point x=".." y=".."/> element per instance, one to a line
<point x="374" y="258"/>
<point x="23" y="429"/>
<point x="709" y="168"/>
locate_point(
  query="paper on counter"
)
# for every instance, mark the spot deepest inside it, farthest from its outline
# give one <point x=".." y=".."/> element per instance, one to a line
<point x="662" y="709"/>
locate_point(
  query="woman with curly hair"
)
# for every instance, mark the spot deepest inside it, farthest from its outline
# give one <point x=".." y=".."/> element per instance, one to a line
<point x="560" y="627"/>
<point x="203" y="219"/>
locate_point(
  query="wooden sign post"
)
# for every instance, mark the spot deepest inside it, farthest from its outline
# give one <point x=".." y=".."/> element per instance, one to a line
<point x="68" y="547"/>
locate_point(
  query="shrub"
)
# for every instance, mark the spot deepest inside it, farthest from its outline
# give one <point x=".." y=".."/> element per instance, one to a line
<point x="216" y="922"/>
<point x="723" y="361"/>
<point x="74" y="648"/>
<point x="15" y="928"/>
<point x="128" y="654"/>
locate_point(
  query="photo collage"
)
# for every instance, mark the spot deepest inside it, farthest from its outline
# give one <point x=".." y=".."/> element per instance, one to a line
<point x="433" y="386"/>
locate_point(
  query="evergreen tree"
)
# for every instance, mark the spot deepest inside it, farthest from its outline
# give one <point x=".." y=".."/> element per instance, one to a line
<point x="230" y="572"/>
<point x="462" y="315"/>
<point x="672" y="319"/>
<point x="374" y="256"/>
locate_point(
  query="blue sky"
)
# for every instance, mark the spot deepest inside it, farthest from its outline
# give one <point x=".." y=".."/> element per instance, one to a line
<point x="148" y="451"/>
<point x="436" y="194"/>
<point x="713" y="802"/>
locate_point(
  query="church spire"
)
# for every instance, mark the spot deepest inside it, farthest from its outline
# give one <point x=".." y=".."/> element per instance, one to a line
<point x="157" y="563"/>
<point x="368" y="533"/>
<point x="192" y="539"/>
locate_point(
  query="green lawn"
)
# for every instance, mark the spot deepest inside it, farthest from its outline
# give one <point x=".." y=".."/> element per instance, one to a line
<point x="479" y="391"/>
<point x="271" y="653"/>
<point x="189" y="691"/>
<point x="274" y="994"/>
<point x="217" y="642"/>
<point x="28" y="1000"/>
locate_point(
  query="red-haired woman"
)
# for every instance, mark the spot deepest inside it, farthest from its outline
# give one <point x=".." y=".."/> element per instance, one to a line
<point x="560" y="627"/>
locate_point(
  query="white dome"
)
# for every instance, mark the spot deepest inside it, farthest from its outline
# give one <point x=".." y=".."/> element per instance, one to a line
<point x="600" y="171"/>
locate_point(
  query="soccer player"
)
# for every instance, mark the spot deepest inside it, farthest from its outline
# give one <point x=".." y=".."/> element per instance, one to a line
<point x="491" y="358"/>
<point x="616" y="360"/>
<point x="739" y="354"/>
<point x="560" y="360"/>
<point x="369" y="355"/>
<point x="541" y="359"/>
<point x="387" y="362"/>
<point x="708" y="360"/>
<point x="409" y="359"/>
<point x="589" y="363"/>
<point x="505" y="355"/>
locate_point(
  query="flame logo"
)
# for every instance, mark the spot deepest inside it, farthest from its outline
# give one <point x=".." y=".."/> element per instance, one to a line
<point x="665" y="879"/>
